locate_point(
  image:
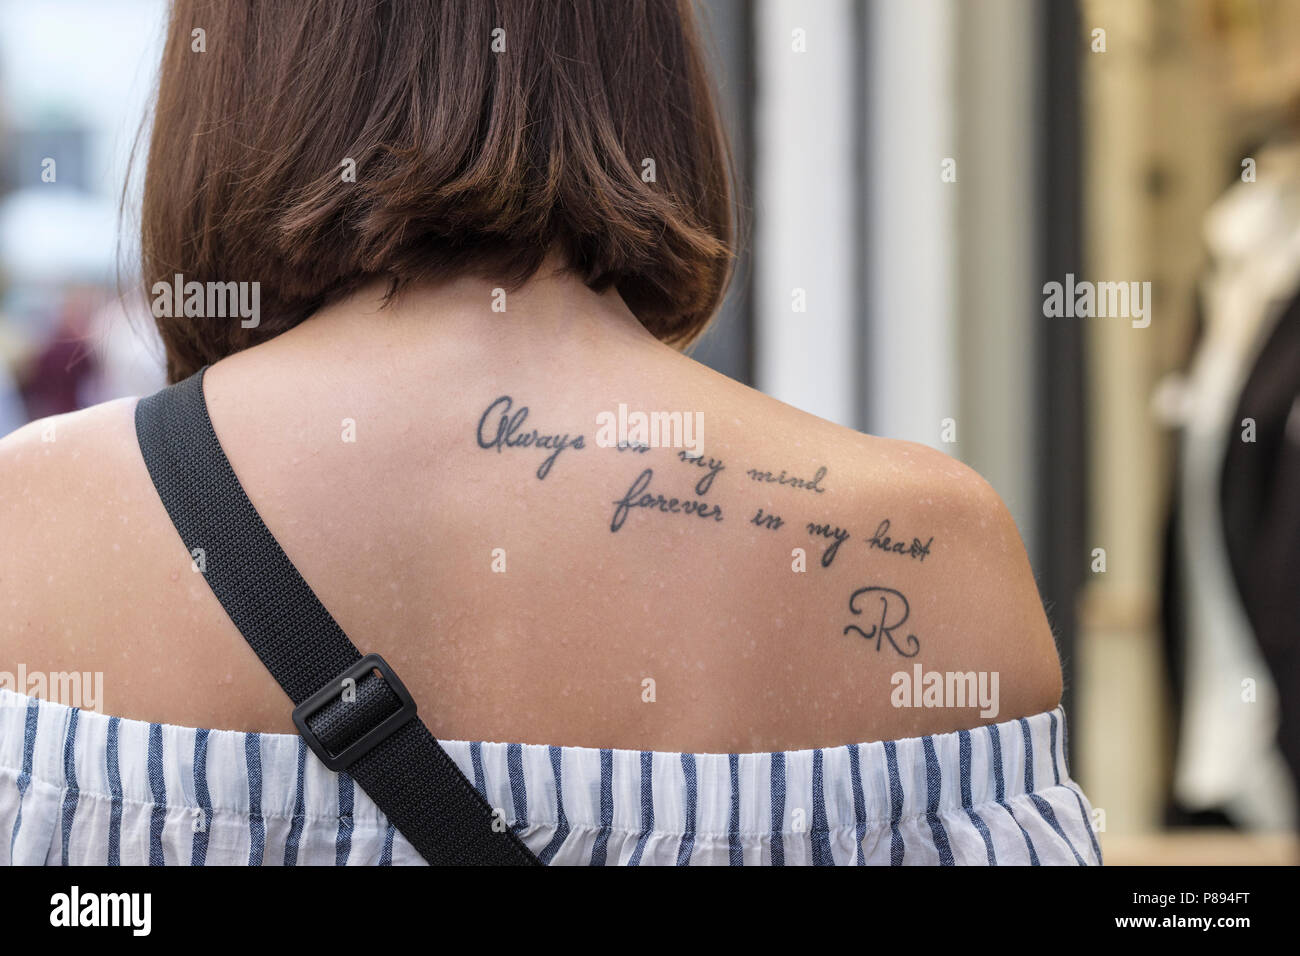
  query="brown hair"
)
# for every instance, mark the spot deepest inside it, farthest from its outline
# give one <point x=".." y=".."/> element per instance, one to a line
<point x="466" y="157"/>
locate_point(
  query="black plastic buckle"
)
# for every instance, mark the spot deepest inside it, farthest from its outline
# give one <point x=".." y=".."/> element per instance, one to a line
<point x="372" y="737"/>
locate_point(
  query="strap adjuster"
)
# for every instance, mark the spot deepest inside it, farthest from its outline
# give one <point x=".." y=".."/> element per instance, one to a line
<point x="333" y="691"/>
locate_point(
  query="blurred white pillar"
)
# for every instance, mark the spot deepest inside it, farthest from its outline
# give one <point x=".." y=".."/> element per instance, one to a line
<point x="908" y="353"/>
<point x="999" y="299"/>
<point x="806" y="205"/>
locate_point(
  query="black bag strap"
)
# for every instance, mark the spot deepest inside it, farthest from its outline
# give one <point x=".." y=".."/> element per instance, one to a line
<point x="351" y="710"/>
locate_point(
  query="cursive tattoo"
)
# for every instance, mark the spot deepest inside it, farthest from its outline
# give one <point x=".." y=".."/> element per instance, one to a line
<point x="712" y="465"/>
<point x="840" y="535"/>
<point x="883" y="542"/>
<point x="808" y="484"/>
<point x="510" y="434"/>
<point x="766" y="521"/>
<point x="638" y="496"/>
<point x="893" y="610"/>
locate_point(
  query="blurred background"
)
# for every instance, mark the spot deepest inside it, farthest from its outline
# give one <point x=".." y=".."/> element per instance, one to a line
<point x="915" y="173"/>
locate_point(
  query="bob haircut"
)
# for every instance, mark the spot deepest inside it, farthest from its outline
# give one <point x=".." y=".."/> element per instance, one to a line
<point x="483" y="134"/>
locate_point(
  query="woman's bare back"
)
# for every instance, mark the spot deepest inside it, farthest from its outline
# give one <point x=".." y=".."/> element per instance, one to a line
<point x="450" y="481"/>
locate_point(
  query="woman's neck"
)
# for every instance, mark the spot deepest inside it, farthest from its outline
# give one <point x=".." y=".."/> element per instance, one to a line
<point x="553" y="308"/>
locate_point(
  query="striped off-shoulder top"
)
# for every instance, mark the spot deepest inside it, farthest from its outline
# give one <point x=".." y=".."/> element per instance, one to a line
<point x="79" y="787"/>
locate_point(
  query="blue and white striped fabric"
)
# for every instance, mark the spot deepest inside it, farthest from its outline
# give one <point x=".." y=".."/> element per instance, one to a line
<point x="77" y="787"/>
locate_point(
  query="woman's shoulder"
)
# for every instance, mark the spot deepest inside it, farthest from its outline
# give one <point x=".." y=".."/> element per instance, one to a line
<point x="916" y="560"/>
<point x="58" y="474"/>
<point x="84" y="537"/>
<point x="106" y="421"/>
<point x="67" y="466"/>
